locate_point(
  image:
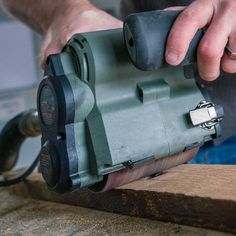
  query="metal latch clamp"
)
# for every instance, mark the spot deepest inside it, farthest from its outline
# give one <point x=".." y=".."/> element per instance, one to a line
<point x="206" y="115"/>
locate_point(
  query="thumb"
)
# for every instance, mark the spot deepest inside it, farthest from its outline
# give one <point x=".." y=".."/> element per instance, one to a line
<point x="52" y="48"/>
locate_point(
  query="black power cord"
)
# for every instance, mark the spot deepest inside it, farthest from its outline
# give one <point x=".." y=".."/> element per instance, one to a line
<point x="12" y="136"/>
<point x="20" y="178"/>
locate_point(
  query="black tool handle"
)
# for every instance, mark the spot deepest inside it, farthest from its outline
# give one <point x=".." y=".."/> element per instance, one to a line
<point x="146" y="35"/>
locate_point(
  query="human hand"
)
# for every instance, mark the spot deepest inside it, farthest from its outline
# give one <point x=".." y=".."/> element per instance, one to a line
<point x="72" y="20"/>
<point x="220" y="19"/>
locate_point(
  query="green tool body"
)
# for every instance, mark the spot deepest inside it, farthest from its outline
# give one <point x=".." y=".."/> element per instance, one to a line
<point x="105" y="122"/>
<point x="107" y="116"/>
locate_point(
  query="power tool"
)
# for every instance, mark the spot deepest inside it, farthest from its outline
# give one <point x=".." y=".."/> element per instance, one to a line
<point x="111" y="110"/>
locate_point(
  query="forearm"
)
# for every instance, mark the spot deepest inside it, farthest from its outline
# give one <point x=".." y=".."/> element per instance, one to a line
<point x="40" y="14"/>
<point x="58" y="20"/>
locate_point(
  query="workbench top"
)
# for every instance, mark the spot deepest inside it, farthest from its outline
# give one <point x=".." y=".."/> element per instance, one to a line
<point x="26" y="216"/>
<point x="193" y="195"/>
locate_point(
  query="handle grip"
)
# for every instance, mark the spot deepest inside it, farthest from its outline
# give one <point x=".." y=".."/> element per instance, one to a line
<point x="146" y="35"/>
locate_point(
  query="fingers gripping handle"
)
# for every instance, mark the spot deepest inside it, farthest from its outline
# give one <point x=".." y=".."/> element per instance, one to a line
<point x="146" y="35"/>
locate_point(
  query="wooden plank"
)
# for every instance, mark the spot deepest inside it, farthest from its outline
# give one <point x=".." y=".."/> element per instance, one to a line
<point x="195" y="195"/>
<point x="27" y="216"/>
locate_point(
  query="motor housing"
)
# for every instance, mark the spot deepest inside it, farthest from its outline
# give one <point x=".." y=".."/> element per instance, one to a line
<point x="100" y="115"/>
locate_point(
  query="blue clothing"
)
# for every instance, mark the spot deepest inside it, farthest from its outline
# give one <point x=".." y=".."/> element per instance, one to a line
<point x="224" y="153"/>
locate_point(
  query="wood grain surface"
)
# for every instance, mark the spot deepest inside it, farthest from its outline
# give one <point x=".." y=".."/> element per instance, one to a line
<point x="20" y="216"/>
<point x="195" y="195"/>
